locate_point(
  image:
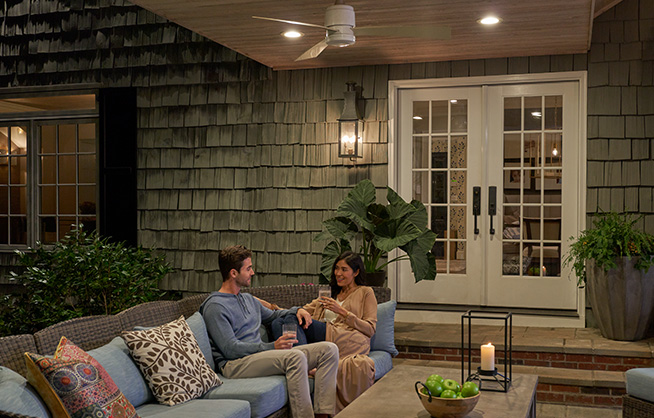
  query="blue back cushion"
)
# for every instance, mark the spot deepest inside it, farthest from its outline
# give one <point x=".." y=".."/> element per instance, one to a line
<point x="18" y="396"/>
<point x="384" y="338"/>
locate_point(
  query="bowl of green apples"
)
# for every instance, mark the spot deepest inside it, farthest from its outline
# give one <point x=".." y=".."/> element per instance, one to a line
<point x="446" y="398"/>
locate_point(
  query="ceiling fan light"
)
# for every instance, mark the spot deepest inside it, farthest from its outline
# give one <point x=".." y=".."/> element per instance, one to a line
<point x="292" y="34"/>
<point x="489" y="20"/>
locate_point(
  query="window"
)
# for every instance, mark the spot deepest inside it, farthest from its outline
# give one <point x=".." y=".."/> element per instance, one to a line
<point x="48" y="167"/>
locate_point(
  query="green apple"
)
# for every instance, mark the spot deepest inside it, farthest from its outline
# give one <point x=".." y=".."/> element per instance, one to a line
<point x="459" y="396"/>
<point x="469" y="389"/>
<point x="434" y="386"/>
<point x="435" y="377"/>
<point x="452" y="385"/>
<point x="447" y="393"/>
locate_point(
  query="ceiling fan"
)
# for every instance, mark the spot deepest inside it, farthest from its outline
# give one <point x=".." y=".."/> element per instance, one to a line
<point x="342" y="31"/>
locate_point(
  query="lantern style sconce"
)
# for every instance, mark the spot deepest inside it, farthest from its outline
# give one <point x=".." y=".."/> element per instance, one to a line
<point x="350" y="126"/>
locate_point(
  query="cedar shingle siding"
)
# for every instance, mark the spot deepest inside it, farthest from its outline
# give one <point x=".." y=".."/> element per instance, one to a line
<point x="231" y="152"/>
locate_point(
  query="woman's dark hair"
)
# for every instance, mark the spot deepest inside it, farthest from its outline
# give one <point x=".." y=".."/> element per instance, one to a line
<point x="356" y="264"/>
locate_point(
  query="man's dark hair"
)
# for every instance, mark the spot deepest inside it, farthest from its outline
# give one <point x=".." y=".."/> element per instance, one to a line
<point x="232" y="258"/>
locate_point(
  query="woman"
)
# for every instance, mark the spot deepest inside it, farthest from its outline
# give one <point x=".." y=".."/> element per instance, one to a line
<point x="347" y="319"/>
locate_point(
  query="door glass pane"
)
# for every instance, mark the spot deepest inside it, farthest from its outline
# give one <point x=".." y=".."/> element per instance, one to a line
<point x="458" y="221"/>
<point x="458" y="187"/>
<point x="512" y="262"/>
<point x="532" y="150"/>
<point x="421" y="186"/>
<point x="439" y="152"/>
<point x="512" y="149"/>
<point x="512" y="113"/>
<point x="533" y="113"/>
<point x="458" y="257"/>
<point x="553" y="145"/>
<point x="439" y="116"/>
<point x="552" y="186"/>
<point x="553" y="112"/>
<point x="459" y="115"/>
<point x="439" y="187"/>
<point x="511" y="221"/>
<point x="439" y="221"/>
<point x="420" y="117"/>
<point x="420" y="152"/>
<point x="459" y="153"/>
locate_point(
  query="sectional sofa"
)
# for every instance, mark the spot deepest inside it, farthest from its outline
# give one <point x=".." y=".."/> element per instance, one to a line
<point x="100" y="337"/>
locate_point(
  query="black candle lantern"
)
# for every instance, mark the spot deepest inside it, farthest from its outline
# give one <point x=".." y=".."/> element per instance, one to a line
<point x="350" y="126"/>
<point x="487" y="378"/>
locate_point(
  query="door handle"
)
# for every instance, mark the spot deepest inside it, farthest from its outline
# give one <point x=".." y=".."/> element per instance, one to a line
<point x="476" y="205"/>
<point x="492" y="206"/>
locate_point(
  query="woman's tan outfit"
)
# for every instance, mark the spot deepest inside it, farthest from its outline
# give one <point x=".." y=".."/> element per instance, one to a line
<point x="356" y="371"/>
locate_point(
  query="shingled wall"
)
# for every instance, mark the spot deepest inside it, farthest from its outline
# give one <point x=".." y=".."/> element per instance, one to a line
<point x="232" y="152"/>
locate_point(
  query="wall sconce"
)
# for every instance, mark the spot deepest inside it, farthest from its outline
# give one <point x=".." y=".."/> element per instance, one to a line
<point x="350" y="126"/>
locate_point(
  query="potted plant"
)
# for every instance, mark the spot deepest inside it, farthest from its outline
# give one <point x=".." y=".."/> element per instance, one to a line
<point x="614" y="258"/>
<point x="379" y="229"/>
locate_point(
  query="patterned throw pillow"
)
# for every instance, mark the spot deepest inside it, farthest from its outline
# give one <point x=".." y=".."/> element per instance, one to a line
<point x="73" y="384"/>
<point x="171" y="361"/>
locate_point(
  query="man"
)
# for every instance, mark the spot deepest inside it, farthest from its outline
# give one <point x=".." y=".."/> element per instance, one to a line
<point x="233" y="320"/>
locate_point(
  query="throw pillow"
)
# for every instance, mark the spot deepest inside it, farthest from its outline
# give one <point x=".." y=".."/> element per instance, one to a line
<point x="73" y="384"/>
<point x="384" y="338"/>
<point x="171" y="361"/>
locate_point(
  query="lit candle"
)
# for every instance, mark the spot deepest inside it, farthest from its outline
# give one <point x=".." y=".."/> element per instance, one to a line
<point x="488" y="357"/>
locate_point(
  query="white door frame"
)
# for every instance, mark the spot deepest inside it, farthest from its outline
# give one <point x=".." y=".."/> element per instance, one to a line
<point x="393" y="98"/>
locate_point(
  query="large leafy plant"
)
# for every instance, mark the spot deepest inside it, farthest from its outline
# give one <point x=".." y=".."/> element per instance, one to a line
<point x="613" y="235"/>
<point x="379" y="229"/>
<point x="81" y="275"/>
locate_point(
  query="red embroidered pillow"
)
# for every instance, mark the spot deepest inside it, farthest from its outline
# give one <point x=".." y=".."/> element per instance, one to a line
<point x="73" y="384"/>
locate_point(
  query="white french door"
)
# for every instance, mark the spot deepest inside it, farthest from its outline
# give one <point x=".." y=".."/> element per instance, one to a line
<point x="498" y="168"/>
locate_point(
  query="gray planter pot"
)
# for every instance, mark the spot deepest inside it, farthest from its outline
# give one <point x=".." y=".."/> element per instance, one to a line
<point x="622" y="299"/>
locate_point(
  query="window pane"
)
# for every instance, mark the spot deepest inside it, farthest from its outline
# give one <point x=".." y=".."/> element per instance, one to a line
<point x="420" y="186"/>
<point x="18" y="170"/>
<point x="67" y="200"/>
<point x="67" y="138"/>
<point x="553" y="150"/>
<point x="4" y="140"/>
<point x="67" y="169"/>
<point x="511" y="149"/>
<point x="512" y="106"/>
<point x="4" y="200"/>
<point x="39" y="104"/>
<point x="48" y="200"/>
<point x="18" y="144"/>
<point x="65" y="225"/>
<point x="4" y="170"/>
<point x="17" y="199"/>
<point x="87" y="168"/>
<point x="48" y="229"/>
<point x="87" y="137"/>
<point x="48" y="170"/>
<point x="87" y="200"/>
<point x="18" y="229"/>
<point x="553" y="112"/>
<point x="4" y="230"/>
<point x="438" y="187"/>
<point x="439" y="221"/>
<point x="48" y="139"/>
<point x="89" y="223"/>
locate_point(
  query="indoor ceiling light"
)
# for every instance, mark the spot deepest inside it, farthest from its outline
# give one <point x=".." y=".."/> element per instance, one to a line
<point x="292" y="34"/>
<point x="489" y="20"/>
<point x="417" y="117"/>
<point x="536" y="114"/>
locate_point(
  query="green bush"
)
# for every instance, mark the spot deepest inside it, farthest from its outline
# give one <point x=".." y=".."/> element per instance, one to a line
<point x="81" y="275"/>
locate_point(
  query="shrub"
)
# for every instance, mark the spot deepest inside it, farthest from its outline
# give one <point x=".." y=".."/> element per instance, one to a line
<point x="81" y="275"/>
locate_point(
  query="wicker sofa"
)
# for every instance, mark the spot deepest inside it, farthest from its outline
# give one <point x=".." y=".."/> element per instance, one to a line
<point x="100" y="335"/>
<point x="638" y="402"/>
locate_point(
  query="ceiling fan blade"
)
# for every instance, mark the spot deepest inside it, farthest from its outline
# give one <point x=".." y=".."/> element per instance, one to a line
<point x="314" y="51"/>
<point x="292" y="22"/>
<point x="426" y="32"/>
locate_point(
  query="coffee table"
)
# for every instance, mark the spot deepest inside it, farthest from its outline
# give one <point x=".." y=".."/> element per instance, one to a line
<point x="394" y="396"/>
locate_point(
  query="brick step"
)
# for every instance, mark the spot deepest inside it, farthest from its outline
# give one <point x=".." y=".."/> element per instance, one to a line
<point x="555" y="385"/>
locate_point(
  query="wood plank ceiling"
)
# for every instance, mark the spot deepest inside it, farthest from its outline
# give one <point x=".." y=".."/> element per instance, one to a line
<point x="540" y="27"/>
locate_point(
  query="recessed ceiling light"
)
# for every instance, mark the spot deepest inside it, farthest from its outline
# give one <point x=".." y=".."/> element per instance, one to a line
<point x="489" y="20"/>
<point x="417" y="117"/>
<point x="292" y="34"/>
<point x="454" y="101"/>
<point x="536" y="114"/>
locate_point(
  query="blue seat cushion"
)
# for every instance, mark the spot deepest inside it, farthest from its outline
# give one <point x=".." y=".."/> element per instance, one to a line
<point x="384" y="338"/>
<point x="204" y="408"/>
<point x="383" y="362"/>
<point x="115" y="359"/>
<point x="640" y="383"/>
<point x="265" y="394"/>
<point x="18" y="396"/>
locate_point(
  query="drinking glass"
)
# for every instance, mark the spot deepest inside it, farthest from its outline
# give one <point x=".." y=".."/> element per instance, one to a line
<point x="289" y="329"/>
<point x="324" y="292"/>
